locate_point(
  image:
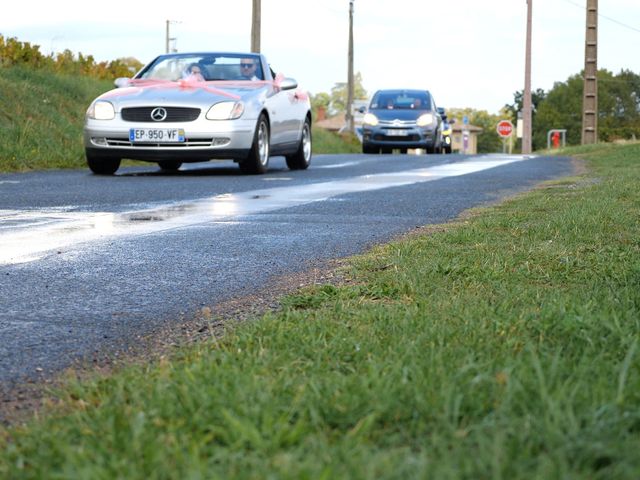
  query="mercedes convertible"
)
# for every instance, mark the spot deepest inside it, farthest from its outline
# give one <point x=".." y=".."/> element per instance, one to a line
<point x="194" y="107"/>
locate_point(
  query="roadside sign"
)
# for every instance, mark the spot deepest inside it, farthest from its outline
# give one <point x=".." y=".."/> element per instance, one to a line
<point x="505" y="128"/>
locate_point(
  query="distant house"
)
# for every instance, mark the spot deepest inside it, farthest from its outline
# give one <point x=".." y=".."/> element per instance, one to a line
<point x="457" y="138"/>
<point x="338" y="122"/>
<point x="333" y="124"/>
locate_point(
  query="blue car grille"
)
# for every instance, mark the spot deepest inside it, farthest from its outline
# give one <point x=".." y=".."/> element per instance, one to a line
<point x="397" y="123"/>
<point x="395" y="138"/>
<point x="174" y="114"/>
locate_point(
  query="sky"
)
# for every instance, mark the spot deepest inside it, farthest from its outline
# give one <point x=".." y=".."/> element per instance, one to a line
<point x="468" y="53"/>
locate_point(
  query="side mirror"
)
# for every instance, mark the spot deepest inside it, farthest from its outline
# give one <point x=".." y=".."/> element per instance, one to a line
<point x="362" y="109"/>
<point x="288" y="84"/>
<point x="121" y="82"/>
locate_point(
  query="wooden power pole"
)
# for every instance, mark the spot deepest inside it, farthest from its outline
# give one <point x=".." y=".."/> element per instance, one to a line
<point x="527" y="114"/>
<point x="590" y="95"/>
<point x="255" y="27"/>
<point x="349" y="112"/>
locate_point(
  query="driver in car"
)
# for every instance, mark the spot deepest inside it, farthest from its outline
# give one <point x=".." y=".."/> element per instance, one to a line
<point x="248" y="68"/>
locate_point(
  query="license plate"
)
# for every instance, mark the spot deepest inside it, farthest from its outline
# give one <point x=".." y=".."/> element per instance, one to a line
<point x="397" y="133"/>
<point x="156" y="135"/>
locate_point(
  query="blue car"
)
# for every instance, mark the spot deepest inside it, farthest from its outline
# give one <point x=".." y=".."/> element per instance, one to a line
<point x="402" y="119"/>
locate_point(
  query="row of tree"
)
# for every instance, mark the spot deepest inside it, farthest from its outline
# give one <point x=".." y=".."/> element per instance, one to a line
<point x="561" y="108"/>
<point x="14" y="52"/>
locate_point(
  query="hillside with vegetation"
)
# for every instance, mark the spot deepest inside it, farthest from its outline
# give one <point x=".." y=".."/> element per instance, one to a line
<point x="42" y="116"/>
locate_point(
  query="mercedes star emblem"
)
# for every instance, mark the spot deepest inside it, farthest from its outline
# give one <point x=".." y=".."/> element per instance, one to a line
<point x="158" y="114"/>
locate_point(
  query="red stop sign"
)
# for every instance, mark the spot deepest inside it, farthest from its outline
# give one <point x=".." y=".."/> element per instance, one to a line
<point x="505" y="128"/>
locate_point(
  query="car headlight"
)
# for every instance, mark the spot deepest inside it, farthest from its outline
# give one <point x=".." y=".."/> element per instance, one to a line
<point x="225" y="111"/>
<point x="101" y="110"/>
<point x="425" y="120"/>
<point x="370" y="119"/>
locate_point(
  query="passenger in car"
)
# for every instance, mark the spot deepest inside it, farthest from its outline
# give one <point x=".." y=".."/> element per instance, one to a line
<point x="194" y="73"/>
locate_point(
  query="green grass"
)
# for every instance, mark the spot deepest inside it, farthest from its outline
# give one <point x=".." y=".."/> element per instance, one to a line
<point x="329" y="142"/>
<point x="41" y="118"/>
<point x="505" y="345"/>
<point x="42" y="115"/>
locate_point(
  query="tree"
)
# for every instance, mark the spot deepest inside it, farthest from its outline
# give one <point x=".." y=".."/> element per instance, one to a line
<point x="562" y="109"/>
<point x="537" y="98"/>
<point x="618" y="107"/>
<point x="339" y="94"/>
<point x="488" y="140"/>
<point x="321" y="99"/>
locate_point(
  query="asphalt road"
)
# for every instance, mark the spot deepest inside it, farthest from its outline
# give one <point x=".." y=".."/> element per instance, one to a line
<point x="89" y="263"/>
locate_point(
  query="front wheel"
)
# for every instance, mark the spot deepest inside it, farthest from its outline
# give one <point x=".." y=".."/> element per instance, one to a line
<point x="258" y="159"/>
<point x="102" y="165"/>
<point x="302" y="158"/>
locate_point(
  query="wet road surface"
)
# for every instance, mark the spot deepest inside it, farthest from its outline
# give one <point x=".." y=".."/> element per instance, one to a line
<point x="89" y="263"/>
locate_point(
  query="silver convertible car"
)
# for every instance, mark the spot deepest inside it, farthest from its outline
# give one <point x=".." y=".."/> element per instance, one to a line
<point x="193" y="107"/>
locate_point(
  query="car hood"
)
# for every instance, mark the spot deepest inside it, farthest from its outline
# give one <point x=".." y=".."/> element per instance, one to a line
<point x="405" y="115"/>
<point x="184" y="93"/>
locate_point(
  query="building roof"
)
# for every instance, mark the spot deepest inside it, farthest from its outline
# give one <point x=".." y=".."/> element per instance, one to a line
<point x="334" y="123"/>
<point x="458" y="127"/>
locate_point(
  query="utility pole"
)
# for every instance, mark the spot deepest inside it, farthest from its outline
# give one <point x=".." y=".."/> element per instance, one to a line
<point x="349" y="113"/>
<point x="527" y="117"/>
<point x="590" y="95"/>
<point x="255" y="27"/>
<point x="167" y="38"/>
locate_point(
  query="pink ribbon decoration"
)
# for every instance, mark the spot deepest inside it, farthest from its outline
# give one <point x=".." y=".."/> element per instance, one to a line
<point x="192" y="82"/>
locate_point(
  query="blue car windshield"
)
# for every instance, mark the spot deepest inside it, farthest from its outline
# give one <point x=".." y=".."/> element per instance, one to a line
<point x="401" y="101"/>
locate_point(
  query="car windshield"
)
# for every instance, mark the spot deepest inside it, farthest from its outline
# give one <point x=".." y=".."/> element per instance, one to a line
<point x="400" y="101"/>
<point x="204" y="67"/>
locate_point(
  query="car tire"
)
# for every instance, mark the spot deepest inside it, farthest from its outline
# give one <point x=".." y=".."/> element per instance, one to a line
<point x="258" y="159"/>
<point x="369" y="149"/>
<point x="386" y="151"/>
<point x="169" y="165"/>
<point x="102" y="165"/>
<point x="403" y="150"/>
<point x="302" y="158"/>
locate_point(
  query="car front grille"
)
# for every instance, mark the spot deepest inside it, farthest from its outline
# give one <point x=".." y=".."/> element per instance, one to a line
<point x="196" y="142"/>
<point x="396" y="138"/>
<point x="397" y="123"/>
<point x="174" y="114"/>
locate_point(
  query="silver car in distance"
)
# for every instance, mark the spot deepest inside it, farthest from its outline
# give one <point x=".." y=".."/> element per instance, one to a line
<point x="194" y="107"/>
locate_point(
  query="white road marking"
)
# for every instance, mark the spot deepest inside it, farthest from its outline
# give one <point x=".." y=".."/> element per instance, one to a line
<point x="338" y="165"/>
<point x="29" y="235"/>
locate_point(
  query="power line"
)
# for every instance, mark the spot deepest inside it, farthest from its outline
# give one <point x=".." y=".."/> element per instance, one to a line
<point x="605" y="17"/>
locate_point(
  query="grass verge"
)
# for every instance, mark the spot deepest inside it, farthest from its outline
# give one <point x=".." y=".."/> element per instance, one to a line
<point x="503" y="346"/>
<point x="42" y="117"/>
